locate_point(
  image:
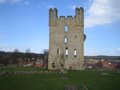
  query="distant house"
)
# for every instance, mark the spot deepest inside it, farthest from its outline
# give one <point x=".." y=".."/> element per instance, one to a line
<point x="108" y="64"/>
<point x="39" y="63"/>
<point x="26" y="62"/>
<point x="91" y="63"/>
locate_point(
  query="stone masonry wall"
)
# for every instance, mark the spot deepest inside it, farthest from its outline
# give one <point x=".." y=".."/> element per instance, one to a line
<point x="66" y="40"/>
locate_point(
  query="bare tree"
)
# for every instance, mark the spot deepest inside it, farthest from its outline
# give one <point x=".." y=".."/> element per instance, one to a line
<point x="16" y="50"/>
<point x="15" y="56"/>
<point x="28" y="50"/>
<point x="45" y="52"/>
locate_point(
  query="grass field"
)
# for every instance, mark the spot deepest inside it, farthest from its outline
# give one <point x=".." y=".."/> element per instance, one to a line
<point x="94" y="80"/>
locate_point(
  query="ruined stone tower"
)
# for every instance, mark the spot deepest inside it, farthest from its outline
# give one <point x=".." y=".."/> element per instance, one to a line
<point x="66" y="40"/>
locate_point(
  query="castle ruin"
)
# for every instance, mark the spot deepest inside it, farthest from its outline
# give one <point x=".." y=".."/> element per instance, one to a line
<point x="66" y="40"/>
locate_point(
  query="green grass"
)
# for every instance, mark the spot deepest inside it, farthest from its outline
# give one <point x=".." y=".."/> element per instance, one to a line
<point x="94" y="80"/>
<point x="21" y="69"/>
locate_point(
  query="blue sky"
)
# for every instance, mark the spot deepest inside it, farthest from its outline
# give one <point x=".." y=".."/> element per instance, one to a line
<point x="24" y="24"/>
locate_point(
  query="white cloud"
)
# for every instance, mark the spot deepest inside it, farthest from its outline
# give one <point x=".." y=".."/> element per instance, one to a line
<point x="14" y="1"/>
<point x="93" y="51"/>
<point x="10" y="48"/>
<point x="102" y="12"/>
<point x="3" y="1"/>
<point x="48" y="5"/>
<point x="11" y="1"/>
<point x="118" y="49"/>
<point x="4" y="47"/>
<point x="44" y="3"/>
<point x="27" y="2"/>
<point x="74" y="6"/>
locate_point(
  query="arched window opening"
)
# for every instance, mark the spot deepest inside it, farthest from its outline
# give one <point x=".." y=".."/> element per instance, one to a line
<point x="75" y="36"/>
<point x="65" y="40"/>
<point x="66" y="28"/>
<point x="75" y="52"/>
<point x="58" y="51"/>
<point x="66" y="52"/>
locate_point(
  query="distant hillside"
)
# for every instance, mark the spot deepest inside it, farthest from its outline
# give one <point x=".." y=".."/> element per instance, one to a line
<point x="103" y="57"/>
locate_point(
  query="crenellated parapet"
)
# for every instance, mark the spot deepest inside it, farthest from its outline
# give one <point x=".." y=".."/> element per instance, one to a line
<point x="53" y="15"/>
<point x="79" y="16"/>
<point x="62" y="18"/>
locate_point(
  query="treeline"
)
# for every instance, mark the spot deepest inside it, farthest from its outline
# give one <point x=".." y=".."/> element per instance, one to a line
<point x="13" y="57"/>
<point x="103" y="57"/>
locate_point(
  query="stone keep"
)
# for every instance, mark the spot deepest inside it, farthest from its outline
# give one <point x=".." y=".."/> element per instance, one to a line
<point x="66" y="40"/>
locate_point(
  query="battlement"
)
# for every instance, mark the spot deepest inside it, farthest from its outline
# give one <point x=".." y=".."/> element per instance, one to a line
<point x="53" y="10"/>
<point x="70" y="17"/>
<point x="79" y="16"/>
<point x="53" y="16"/>
<point x="61" y="17"/>
<point x="79" y="11"/>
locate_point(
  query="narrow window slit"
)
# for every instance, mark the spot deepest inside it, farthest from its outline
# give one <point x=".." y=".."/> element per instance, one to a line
<point x="66" y="52"/>
<point x="75" y="52"/>
<point x="66" y="28"/>
<point x="58" y="51"/>
<point x="65" y="40"/>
